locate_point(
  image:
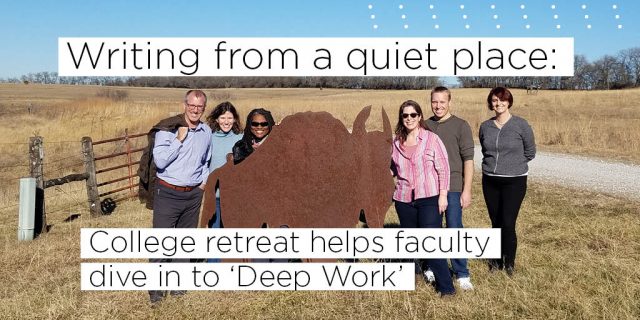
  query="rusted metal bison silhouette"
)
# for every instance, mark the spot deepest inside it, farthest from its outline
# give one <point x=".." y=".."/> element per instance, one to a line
<point x="310" y="173"/>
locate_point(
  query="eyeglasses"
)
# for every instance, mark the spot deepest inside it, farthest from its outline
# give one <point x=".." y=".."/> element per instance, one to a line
<point x="259" y="124"/>
<point x="194" y="107"/>
<point x="406" y="115"/>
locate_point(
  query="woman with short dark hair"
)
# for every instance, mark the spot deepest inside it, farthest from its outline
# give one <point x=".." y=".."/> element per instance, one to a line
<point x="508" y="145"/>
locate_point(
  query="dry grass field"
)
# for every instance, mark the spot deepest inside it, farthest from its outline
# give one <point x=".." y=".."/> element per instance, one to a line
<point x="597" y="123"/>
<point x="578" y="251"/>
<point x="578" y="256"/>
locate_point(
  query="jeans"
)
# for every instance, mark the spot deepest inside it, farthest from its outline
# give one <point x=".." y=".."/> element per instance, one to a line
<point x="215" y="224"/>
<point x="423" y="213"/>
<point x="503" y="196"/>
<point x="453" y="217"/>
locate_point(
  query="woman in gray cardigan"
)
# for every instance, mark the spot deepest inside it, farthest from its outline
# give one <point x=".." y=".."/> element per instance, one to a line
<point x="507" y="146"/>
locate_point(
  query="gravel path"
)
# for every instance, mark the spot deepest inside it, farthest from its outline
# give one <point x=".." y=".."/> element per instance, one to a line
<point x="581" y="172"/>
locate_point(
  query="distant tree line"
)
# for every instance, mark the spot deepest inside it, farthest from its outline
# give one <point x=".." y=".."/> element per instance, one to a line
<point x="609" y="72"/>
<point x="398" y="83"/>
<point x="53" y="78"/>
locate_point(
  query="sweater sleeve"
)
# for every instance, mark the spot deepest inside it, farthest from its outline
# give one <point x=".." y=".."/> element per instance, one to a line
<point x="481" y="139"/>
<point x="529" y="142"/>
<point x="441" y="163"/>
<point x="466" y="142"/>
<point x="241" y="150"/>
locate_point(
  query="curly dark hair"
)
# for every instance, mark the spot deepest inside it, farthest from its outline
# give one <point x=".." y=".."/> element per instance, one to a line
<point x="220" y="110"/>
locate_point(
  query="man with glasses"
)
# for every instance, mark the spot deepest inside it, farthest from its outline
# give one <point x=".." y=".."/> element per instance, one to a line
<point x="456" y="135"/>
<point x="182" y="158"/>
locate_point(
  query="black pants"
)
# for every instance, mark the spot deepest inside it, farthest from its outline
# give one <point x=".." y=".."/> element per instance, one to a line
<point x="175" y="209"/>
<point x="503" y="196"/>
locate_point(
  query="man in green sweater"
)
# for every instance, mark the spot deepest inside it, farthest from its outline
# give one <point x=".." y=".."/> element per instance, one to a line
<point x="456" y="135"/>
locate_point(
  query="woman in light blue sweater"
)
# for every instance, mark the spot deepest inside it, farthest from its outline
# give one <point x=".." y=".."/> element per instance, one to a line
<point x="227" y="130"/>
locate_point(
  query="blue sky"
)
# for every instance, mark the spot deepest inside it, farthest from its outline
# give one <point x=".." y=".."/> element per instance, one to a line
<point x="29" y="29"/>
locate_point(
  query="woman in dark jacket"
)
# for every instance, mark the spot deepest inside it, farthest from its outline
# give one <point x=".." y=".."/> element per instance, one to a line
<point x="259" y="125"/>
<point x="508" y="145"/>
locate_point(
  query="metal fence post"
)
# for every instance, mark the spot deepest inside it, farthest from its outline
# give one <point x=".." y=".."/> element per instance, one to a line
<point x="127" y="141"/>
<point x="27" y="213"/>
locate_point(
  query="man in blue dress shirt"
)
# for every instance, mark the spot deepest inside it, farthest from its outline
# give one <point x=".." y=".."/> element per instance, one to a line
<point x="182" y="162"/>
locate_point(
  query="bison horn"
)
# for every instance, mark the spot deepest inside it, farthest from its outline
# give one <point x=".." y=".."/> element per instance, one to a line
<point x="361" y="119"/>
<point x="386" y="126"/>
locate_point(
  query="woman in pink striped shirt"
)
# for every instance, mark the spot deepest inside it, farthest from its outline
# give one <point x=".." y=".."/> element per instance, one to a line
<point x="421" y="166"/>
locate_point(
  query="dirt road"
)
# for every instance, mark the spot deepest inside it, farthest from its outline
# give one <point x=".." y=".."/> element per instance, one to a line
<point x="581" y="172"/>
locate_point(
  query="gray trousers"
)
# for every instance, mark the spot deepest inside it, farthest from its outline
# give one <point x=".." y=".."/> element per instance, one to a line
<point x="175" y="209"/>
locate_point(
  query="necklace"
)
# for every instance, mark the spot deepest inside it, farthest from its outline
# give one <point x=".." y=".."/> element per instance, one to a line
<point x="502" y="123"/>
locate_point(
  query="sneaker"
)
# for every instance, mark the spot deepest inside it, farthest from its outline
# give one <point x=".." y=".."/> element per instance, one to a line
<point x="429" y="276"/>
<point x="465" y="283"/>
